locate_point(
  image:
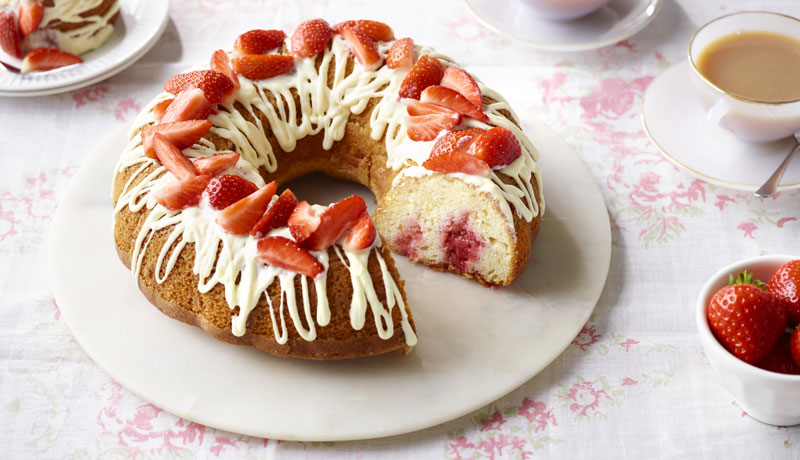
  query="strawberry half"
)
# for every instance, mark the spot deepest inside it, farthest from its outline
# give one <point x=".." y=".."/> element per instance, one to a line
<point x="427" y="71"/>
<point x="285" y="253"/>
<point x="361" y="45"/>
<point x="427" y="127"/>
<point x="262" y="66"/>
<point x="462" y="82"/>
<point x="498" y="147"/>
<point x="216" y="164"/>
<point x="30" y="16"/>
<point x="456" y="141"/>
<point x="225" y="190"/>
<point x="449" y="98"/>
<point x="415" y="107"/>
<point x="335" y="222"/>
<point x="311" y="37"/>
<point x="182" y="134"/>
<point x="239" y="217"/>
<point x="401" y="55"/>
<point x="222" y="64"/>
<point x="258" y="41"/>
<point x="746" y="319"/>
<point x="172" y="158"/>
<point x="303" y="221"/>
<point x="190" y="104"/>
<point x="361" y="235"/>
<point x="458" y="163"/>
<point x="160" y="108"/>
<point x="44" y="59"/>
<point x="785" y="285"/>
<point x="215" y="85"/>
<point x="9" y="37"/>
<point x="276" y="216"/>
<point x="182" y="194"/>
<point x="375" y="30"/>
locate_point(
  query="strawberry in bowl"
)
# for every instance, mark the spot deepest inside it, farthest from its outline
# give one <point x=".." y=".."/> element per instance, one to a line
<point x="743" y="330"/>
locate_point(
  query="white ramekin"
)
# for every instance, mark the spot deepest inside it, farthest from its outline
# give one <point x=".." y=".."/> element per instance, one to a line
<point x="766" y="396"/>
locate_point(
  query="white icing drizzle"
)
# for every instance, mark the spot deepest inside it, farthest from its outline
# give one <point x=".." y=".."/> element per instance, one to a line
<point x="232" y="260"/>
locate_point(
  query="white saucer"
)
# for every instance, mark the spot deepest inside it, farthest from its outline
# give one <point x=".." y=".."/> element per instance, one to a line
<point x="676" y="123"/>
<point x="138" y="28"/>
<point x="473" y="347"/>
<point x="616" y="21"/>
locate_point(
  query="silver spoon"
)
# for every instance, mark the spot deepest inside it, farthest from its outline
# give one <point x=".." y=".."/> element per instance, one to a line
<point x="771" y="184"/>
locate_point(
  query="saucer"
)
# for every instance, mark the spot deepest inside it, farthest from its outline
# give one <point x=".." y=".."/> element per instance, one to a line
<point x="676" y="123"/>
<point x="138" y="28"/>
<point x="617" y="20"/>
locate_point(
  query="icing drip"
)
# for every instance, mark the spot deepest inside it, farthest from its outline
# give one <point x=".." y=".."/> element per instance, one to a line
<point x="322" y="109"/>
<point x="89" y="36"/>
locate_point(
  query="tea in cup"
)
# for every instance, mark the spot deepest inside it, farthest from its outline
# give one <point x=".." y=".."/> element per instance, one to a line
<point x="745" y="69"/>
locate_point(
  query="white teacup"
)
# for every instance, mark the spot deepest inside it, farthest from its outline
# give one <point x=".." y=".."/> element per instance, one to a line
<point x="749" y="119"/>
<point x="563" y="10"/>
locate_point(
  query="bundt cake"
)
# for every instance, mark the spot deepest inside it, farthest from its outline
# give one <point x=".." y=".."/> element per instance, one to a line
<point x="53" y="33"/>
<point x="211" y="242"/>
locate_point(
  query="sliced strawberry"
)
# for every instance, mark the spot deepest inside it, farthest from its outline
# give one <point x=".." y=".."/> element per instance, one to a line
<point x="361" y="236"/>
<point x="335" y="222"/>
<point x="427" y="71"/>
<point x="362" y="46"/>
<point x="458" y="163"/>
<point x="182" y="134"/>
<point x="375" y="30"/>
<point x="30" y="16"/>
<point x="498" y="147"/>
<point x="415" y="107"/>
<point x="222" y="64"/>
<point x="160" y="108"/>
<point x="303" y="221"/>
<point x="276" y="216"/>
<point x="172" y="158"/>
<point x="190" y="104"/>
<point x="401" y="55"/>
<point x="182" y="194"/>
<point x="311" y="37"/>
<point x="215" y="85"/>
<point x="456" y="141"/>
<point x="262" y="66"/>
<point x="43" y="59"/>
<point x="451" y="99"/>
<point x="239" y="217"/>
<point x="285" y="253"/>
<point x="258" y="41"/>
<point x="427" y="127"/>
<point x="462" y="82"/>
<point x="9" y="37"/>
<point x="225" y="190"/>
<point x="216" y="164"/>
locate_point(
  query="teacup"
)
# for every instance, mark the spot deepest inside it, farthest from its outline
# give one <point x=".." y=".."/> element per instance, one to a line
<point x="563" y="10"/>
<point x="749" y="119"/>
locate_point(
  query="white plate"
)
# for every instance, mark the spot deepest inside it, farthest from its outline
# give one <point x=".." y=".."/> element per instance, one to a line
<point x="676" y="123"/>
<point x="473" y="348"/>
<point x="617" y="20"/>
<point x="138" y="28"/>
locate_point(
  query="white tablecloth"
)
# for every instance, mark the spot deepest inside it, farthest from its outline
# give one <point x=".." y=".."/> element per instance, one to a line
<point x="634" y="383"/>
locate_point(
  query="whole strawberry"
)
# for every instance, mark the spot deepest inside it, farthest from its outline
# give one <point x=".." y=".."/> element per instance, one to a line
<point x="780" y="358"/>
<point x="746" y="319"/>
<point x="785" y="285"/>
<point x="794" y="345"/>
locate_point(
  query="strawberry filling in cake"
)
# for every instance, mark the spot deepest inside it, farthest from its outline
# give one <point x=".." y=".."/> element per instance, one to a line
<point x="50" y="34"/>
<point x="211" y="240"/>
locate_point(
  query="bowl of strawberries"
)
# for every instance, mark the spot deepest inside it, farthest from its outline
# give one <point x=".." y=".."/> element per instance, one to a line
<point x="747" y="318"/>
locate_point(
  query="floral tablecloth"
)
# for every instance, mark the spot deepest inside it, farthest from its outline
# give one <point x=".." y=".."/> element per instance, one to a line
<point x="633" y="384"/>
